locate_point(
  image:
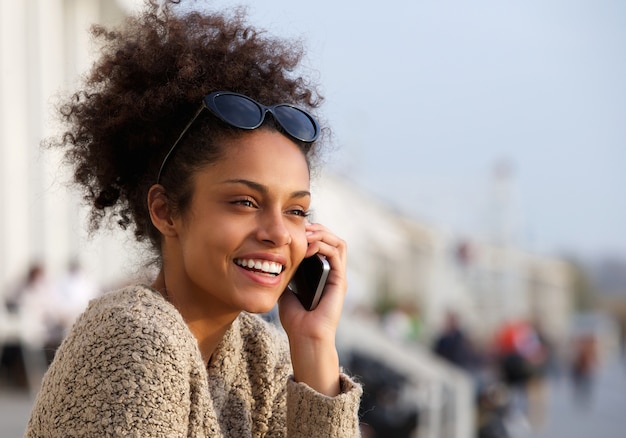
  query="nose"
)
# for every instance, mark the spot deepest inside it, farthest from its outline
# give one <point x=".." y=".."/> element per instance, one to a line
<point x="272" y="229"/>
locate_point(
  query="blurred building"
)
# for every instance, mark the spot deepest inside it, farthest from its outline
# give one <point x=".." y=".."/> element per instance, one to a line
<point x="403" y="261"/>
<point x="44" y="47"/>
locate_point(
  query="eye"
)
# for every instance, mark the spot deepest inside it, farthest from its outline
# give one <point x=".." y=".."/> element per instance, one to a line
<point x="299" y="212"/>
<point x="245" y="202"/>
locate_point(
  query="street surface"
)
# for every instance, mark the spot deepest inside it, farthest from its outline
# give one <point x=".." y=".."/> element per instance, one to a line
<point x="604" y="417"/>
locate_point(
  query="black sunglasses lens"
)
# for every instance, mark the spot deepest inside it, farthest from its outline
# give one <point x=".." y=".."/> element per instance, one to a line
<point x="296" y="122"/>
<point x="238" y="111"/>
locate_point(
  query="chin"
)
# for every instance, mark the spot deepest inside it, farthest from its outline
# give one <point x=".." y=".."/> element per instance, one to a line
<point x="260" y="306"/>
<point x="257" y="300"/>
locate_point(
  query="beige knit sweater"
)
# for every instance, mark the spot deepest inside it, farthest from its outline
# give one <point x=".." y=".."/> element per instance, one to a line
<point x="131" y="367"/>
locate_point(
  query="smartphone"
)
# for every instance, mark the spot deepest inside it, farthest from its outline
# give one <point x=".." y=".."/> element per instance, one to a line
<point x="309" y="280"/>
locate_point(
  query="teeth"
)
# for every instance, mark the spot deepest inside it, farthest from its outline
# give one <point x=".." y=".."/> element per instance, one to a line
<point x="260" y="265"/>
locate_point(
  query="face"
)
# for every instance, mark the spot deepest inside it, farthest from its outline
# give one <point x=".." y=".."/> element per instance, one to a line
<point x="244" y="234"/>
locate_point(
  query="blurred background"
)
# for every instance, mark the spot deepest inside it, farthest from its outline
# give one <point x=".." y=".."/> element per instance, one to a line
<point x="478" y="177"/>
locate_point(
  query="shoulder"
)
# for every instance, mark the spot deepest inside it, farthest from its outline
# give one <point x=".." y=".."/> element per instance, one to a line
<point x="132" y="306"/>
<point x="128" y="363"/>
<point x="135" y="319"/>
<point x="131" y="334"/>
<point x="136" y="296"/>
<point x="134" y="303"/>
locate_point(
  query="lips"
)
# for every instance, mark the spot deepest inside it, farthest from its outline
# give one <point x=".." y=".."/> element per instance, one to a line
<point x="258" y="265"/>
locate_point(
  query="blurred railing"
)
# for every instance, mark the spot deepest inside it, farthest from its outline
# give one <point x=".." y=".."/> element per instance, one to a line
<point x="442" y="395"/>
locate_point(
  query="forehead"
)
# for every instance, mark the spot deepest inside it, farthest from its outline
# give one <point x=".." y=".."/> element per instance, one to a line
<point x="264" y="156"/>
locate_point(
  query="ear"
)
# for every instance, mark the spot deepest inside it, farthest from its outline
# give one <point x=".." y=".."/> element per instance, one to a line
<point x="160" y="212"/>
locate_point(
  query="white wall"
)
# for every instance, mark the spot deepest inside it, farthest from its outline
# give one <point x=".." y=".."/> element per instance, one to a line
<point x="44" y="47"/>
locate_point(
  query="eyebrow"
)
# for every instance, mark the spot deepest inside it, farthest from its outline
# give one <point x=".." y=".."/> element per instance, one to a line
<point x="263" y="189"/>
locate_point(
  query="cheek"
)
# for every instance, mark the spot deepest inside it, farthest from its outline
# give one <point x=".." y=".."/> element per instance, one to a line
<point x="299" y="244"/>
<point x="211" y="239"/>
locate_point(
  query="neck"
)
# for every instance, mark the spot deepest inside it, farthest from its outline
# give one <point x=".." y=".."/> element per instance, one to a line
<point x="207" y="327"/>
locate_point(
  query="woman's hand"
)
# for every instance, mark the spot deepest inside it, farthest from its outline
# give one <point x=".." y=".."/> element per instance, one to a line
<point x="312" y="333"/>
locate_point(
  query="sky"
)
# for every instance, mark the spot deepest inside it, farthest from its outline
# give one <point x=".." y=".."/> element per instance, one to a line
<point x="426" y="99"/>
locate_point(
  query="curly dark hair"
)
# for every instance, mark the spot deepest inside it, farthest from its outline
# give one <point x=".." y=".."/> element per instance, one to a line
<point x="150" y="79"/>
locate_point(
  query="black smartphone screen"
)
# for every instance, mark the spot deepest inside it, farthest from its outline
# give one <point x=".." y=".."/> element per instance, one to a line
<point x="309" y="280"/>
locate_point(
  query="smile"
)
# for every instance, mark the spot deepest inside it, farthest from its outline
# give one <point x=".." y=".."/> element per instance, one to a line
<point x="263" y="266"/>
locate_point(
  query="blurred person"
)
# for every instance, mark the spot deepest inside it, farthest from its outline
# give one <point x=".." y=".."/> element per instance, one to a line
<point x="584" y="362"/>
<point x="453" y="344"/>
<point x="402" y="323"/>
<point x="30" y="305"/>
<point x="74" y="292"/>
<point x="542" y="360"/>
<point x="34" y="279"/>
<point x="521" y="362"/>
<point x="168" y="137"/>
<point x="397" y="324"/>
<point x="34" y="303"/>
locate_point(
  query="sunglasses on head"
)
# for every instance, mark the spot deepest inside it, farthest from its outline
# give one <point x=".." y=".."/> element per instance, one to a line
<point x="245" y="113"/>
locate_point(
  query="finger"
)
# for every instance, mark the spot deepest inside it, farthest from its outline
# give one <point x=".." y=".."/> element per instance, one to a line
<point x="319" y="233"/>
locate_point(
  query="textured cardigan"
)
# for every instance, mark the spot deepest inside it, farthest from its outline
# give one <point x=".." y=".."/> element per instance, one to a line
<point x="131" y="367"/>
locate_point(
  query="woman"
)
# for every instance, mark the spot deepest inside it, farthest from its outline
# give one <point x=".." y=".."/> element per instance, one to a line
<point x="168" y="138"/>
